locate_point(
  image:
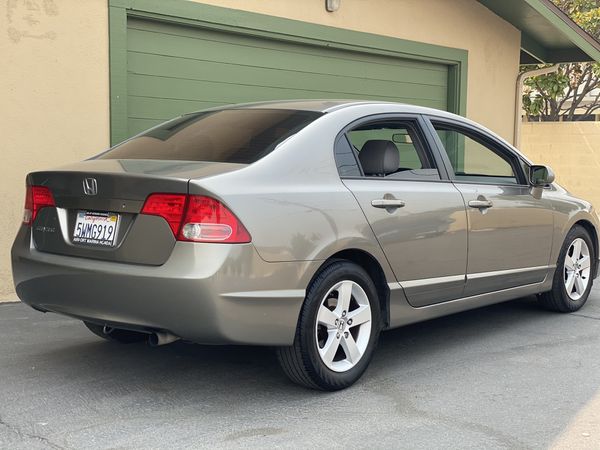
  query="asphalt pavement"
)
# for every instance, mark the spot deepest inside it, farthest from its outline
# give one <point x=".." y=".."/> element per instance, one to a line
<point x="506" y="376"/>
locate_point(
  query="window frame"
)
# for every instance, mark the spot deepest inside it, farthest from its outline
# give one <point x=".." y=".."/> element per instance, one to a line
<point x="343" y="138"/>
<point x="420" y="128"/>
<point x="482" y="137"/>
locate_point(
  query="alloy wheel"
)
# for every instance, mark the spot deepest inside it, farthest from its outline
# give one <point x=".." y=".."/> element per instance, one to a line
<point x="343" y="326"/>
<point x="577" y="267"/>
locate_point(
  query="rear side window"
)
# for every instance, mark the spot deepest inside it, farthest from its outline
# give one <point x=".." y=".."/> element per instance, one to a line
<point x="403" y="137"/>
<point x="231" y="136"/>
<point x="369" y="142"/>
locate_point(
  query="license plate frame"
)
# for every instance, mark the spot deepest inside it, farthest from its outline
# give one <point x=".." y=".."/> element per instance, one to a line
<point x="96" y="228"/>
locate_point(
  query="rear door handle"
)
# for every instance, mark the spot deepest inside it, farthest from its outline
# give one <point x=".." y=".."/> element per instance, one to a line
<point x="387" y="203"/>
<point x="480" y="204"/>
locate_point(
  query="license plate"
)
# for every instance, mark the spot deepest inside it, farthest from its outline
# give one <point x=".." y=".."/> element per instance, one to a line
<point x="96" y="228"/>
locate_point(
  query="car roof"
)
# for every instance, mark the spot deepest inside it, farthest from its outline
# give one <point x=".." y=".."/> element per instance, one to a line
<point x="323" y="105"/>
<point x="327" y="105"/>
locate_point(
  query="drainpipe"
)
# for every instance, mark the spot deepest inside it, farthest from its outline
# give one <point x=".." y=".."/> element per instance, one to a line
<point x="519" y="97"/>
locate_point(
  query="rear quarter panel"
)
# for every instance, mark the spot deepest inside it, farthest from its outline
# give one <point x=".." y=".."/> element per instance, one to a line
<point x="293" y="202"/>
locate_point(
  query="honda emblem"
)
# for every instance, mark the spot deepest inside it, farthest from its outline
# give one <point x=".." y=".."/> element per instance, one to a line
<point x="90" y="186"/>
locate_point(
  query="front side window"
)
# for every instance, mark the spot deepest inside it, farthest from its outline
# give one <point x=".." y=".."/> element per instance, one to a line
<point x="391" y="149"/>
<point x="229" y="135"/>
<point x="475" y="160"/>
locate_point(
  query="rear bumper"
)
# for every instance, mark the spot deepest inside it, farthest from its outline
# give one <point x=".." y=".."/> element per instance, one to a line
<point x="206" y="293"/>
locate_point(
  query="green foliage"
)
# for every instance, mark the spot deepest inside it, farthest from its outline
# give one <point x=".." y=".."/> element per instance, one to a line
<point x="553" y="84"/>
<point x="585" y="13"/>
<point x="566" y="93"/>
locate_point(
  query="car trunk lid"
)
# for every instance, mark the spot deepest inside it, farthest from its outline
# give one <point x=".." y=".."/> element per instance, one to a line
<point x="113" y="193"/>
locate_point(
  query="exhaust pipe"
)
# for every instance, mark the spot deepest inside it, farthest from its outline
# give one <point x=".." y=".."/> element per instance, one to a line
<point x="161" y="338"/>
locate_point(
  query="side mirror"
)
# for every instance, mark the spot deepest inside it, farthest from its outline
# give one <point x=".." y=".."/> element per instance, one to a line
<point x="540" y="175"/>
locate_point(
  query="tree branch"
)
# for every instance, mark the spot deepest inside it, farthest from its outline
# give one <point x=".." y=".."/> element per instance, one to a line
<point x="589" y="84"/>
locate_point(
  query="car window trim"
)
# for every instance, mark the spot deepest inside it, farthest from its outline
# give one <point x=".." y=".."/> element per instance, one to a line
<point x="399" y="180"/>
<point x="421" y="130"/>
<point x="490" y="140"/>
<point x="339" y="138"/>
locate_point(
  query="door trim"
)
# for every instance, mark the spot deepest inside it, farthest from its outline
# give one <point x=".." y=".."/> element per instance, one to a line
<point x="470" y="276"/>
<point x="401" y="313"/>
<point x="484" y="282"/>
<point x="498" y="280"/>
<point x="432" y="281"/>
<point x="261" y="25"/>
<point x="499" y="273"/>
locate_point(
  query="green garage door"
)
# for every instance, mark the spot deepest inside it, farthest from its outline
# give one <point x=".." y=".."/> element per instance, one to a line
<point x="172" y="69"/>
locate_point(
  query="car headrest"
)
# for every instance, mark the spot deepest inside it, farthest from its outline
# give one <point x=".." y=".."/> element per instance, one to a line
<point x="379" y="157"/>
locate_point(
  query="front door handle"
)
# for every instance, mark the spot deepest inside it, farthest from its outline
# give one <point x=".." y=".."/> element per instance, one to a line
<point x="481" y="204"/>
<point x="387" y="203"/>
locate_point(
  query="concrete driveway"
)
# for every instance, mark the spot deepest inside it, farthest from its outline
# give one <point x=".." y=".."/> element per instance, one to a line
<point x="506" y="376"/>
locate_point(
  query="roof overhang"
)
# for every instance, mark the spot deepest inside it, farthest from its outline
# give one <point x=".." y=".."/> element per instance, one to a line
<point x="547" y="34"/>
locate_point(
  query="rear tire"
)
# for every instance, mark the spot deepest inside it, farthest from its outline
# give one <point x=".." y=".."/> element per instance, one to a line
<point x="337" y="330"/>
<point x="574" y="273"/>
<point x="116" y="334"/>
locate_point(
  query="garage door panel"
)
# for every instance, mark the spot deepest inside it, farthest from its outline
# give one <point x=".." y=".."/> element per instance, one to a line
<point x="272" y="57"/>
<point x="213" y="91"/>
<point x="160" y="108"/>
<point x="169" y="65"/>
<point x="172" y="69"/>
<point x="137" y="125"/>
<point x="196" y="71"/>
<point x="246" y="44"/>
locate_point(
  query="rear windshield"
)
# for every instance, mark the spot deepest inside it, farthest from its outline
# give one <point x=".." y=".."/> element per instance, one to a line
<point x="231" y="135"/>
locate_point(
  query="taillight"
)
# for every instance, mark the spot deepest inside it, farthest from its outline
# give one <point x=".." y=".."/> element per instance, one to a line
<point x="168" y="206"/>
<point x="197" y="218"/>
<point x="208" y="220"/>
<point x="36" y="198"/>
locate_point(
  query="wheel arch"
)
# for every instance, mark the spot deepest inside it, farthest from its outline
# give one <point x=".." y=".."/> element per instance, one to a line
<point x="591" y="229"/>
<point x="373" y="268"/>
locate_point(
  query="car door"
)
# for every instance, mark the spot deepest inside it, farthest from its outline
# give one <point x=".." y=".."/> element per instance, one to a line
<point x="510" y="223"/>
<point x="416" y="213"/>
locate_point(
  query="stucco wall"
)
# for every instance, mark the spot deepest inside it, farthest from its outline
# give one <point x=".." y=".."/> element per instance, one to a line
<point x="572" y="149"/>
<point x="55" y="104"/>
<point x="54" y="101"/>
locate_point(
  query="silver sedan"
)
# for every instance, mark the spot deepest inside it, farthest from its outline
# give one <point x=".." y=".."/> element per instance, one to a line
<point x="309" y="226"/>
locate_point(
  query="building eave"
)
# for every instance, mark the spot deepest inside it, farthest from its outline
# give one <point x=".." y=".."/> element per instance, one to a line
<point x="548" y="35"/>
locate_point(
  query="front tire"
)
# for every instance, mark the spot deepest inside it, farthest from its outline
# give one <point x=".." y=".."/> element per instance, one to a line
<point x="337" y="330"/>
<point x="574" y="273"/>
